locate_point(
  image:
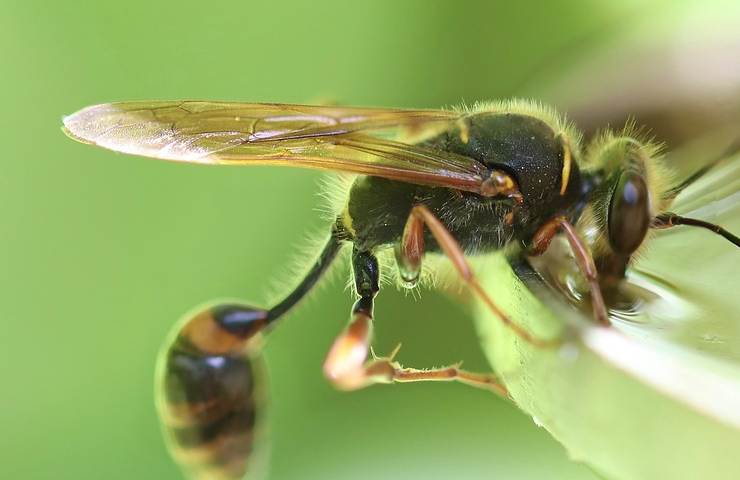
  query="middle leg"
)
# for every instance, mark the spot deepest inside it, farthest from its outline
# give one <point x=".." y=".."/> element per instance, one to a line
<point x="420" y="217"/>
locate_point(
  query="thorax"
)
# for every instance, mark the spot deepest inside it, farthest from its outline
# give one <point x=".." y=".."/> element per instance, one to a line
<point x="524" y="146"/>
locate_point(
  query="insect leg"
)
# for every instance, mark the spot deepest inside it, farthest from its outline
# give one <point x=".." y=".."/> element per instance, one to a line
<point x="452" y="250"/>
<point x="347" y="365"/>
<point x="344" y="364"/>
<point x="409" y="252"/>
<point x="386" y="370"/>
<point x="668" y="220"/>
<point x="485" y="381"/>
<point x="541" y="242"/>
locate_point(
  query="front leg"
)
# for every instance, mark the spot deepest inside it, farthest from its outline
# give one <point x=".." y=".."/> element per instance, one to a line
<point x="585" y="261"/>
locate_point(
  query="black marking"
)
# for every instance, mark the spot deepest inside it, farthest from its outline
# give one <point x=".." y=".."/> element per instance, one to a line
<point x="235" y="423"/>
<point x="367" y="273"/>
<point x="240" y="320"/>
<point x="208" y="384"/>
<point x="211" y="408"/>
<point x="364" y="305"/>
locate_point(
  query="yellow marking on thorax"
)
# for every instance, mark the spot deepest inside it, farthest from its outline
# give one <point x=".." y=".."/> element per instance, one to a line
<point x="347" y="221"/>
<point x="567" y="161"/>
<point x="464" y="131"/>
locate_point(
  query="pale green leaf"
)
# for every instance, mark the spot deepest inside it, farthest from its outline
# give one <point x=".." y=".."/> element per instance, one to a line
<point x="657" y="395"/>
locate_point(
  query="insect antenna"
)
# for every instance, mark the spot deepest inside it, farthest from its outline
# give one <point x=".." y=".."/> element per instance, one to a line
<point x="731" y="151"/>
<point x="667" y="220"/>
<point x="670" y="219"/>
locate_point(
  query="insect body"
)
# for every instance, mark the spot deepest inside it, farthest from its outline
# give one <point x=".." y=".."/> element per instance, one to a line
<point x="459" y="182"/>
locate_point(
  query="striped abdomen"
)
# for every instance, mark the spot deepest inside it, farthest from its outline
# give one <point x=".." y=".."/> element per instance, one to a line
<point x="210" y="394"/>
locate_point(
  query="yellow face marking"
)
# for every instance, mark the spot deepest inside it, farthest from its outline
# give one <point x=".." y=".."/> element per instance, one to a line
<point x="567" y="161"/>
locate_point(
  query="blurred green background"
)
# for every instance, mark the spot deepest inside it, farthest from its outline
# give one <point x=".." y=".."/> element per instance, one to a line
<point x="102" y="253"/>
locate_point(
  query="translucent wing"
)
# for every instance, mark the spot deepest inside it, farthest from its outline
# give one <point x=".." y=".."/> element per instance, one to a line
<point x="358" y="140"/>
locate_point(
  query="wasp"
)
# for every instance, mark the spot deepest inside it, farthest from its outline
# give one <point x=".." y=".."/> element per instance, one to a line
<point x="457" y="182"/>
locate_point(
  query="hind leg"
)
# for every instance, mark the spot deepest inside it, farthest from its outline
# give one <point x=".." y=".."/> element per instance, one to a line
<point x="349" y="364"/>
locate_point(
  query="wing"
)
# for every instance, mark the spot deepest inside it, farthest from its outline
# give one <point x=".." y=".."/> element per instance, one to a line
<point x="357" y="140"/>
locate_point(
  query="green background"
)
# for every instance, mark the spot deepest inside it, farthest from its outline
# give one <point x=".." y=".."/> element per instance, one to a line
<point x="102" y="253"/>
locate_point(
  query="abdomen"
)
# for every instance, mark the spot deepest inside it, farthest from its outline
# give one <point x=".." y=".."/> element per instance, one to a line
<point x="209" y="402"/>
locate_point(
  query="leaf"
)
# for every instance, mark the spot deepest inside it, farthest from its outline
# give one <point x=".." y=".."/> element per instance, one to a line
<point x="657" y="395"/>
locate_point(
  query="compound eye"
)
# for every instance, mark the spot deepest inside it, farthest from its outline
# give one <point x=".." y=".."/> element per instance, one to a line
<point x="629" y="213"/>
